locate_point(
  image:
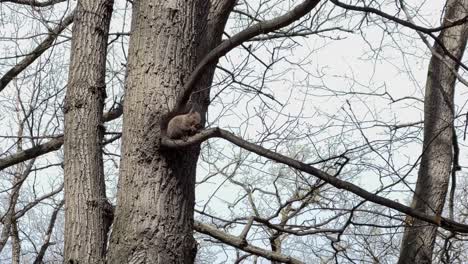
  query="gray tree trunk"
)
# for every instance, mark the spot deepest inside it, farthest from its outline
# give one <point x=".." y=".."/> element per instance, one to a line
<point x="155" y="200"/>
<point x="436" y="163"/>
<point x="85" y="234"/>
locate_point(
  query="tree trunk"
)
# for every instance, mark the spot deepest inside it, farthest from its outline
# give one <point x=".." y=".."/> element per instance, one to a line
<point x="434" y="172"/>
<point x="155" y="200"/>
<point x="85" y="235"/>
<point x="15" y="243"/>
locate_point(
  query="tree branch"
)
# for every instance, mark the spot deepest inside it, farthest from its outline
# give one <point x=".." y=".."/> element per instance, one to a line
<point x="41" y="48"/>
<point x="241" y="244"/>
<point x="52" y="145"/>
<point x="428" y="31"/>
<point x="405" y="23"/>
<point x="338" y="183"/>
<point x="33" y="2"/>
<point x="48" y="234"/>
<point x="246" y="34"/>
<point x="29" y="206"/>
<point x="433" y="49"/>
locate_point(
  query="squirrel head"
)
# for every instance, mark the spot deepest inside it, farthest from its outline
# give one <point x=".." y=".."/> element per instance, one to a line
<point x="194" y="119"/>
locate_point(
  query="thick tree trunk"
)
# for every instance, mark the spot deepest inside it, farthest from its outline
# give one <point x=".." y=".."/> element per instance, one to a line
<point x="434" y="172"/>
<point x="85" y="234"/>
<point x="154" y="215"/>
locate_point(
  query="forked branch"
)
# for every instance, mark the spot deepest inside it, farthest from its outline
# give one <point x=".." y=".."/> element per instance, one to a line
<point x="336" y="182"/>
<point x="231" y="43"/>
<point x="36" y="53"/>
<point x="240" y="243"/>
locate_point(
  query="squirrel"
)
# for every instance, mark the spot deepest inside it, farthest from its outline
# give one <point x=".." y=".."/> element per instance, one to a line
<point x="182" y="126"/>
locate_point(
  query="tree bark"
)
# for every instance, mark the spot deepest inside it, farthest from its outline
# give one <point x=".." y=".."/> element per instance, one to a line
<point x="15" y="243"/>
<point x="434" y="172"/>
<point x="85" y="202"/>
<point x="155" y="200"/>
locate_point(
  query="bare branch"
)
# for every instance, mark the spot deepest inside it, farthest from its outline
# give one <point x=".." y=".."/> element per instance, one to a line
<point x="248" y="33"/>
<point x="433" y="49"/>
<point x="241" y="244"/>
<point x="48" y="234"/>
<point x="428" y="31"/>
<point x="405" y="23"/>
<point x="51" y="145"/>
<point x="33" y="2"/>
<point x="31" y="205"/>
<point x="243" y="235"/>
<point x="36" y="53"/>
<point x="447" y="224"/>
<point x="31" y="153"/>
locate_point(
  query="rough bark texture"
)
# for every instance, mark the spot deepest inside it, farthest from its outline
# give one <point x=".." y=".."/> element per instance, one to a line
<point x="154" y="215"/>
<point x="15" y="244"/>
<point x="85" y="235"/>
<point x="434" y="172"/>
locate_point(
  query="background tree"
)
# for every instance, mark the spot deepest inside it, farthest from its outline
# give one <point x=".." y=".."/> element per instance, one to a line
<point x="438" y="158"/>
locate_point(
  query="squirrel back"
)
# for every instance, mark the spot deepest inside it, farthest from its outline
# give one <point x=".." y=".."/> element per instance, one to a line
<point x="184" y="125"/>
